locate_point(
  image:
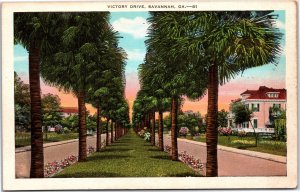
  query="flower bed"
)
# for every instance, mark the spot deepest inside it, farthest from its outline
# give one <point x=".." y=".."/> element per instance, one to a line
<point x="225" y="131"/>
<point x="190" y="160"/>
<point x="183" y="131"/>
<point x="54" y="167"/>
<point x="168" y="149"/>
<point x="243" y="142"/>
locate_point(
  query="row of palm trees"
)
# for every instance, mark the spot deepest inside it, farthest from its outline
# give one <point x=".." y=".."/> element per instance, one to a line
<point x="78" y="53"/>
<point x="191" y="53"/>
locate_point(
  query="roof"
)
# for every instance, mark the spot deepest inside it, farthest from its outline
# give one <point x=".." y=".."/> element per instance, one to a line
<point x="261" y="93"/>
<point x="69" y="109"/>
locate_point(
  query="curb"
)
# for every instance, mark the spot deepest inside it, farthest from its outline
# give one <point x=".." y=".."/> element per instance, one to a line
<point x="270" y="157"/>
<point x="46" y="145"/>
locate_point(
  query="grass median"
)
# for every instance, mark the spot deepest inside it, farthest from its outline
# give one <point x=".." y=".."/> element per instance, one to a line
<point x="130" y="156"/>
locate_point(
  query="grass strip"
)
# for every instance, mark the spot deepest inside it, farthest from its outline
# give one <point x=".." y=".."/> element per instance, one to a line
<point x="248" y="143"/>
<point x="130" y="156"/>
<point x="23" y="139"/>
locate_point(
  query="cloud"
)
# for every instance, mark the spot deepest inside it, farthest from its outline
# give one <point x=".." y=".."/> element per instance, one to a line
<point x="136" y="27"/>
<point x="135" y="54"/>
<point x="20" y="58"/>
<point x="279" y="24"/>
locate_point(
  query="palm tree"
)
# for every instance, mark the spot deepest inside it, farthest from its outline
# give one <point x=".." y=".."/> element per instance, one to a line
<point x="98" y="91"/>
<point x="37" y="32"/>
<point x="224" y="44"/>
<point x="77" y="55"/>
<point x="177" y="77"/>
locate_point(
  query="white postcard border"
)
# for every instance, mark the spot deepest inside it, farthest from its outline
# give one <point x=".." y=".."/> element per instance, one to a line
<point x="11" y="183"/>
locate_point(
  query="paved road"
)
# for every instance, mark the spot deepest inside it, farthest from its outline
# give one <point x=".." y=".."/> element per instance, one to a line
<point x="51" y="153"/>
<point x="231" y="163"/>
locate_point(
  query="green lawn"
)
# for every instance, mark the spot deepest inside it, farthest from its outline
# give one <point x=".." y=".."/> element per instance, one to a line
<point x="247" y="143"/>
<point x="130" y="156"/>
<point x="23" y="139"/>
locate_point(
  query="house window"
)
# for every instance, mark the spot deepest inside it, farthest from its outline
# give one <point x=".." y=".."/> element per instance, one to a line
<point x="276" y="105"/>
<point x="273" y="95"/>
<point x="245" y="125"/>
<point x="247" y="106"/>
<point x="255" y="123"/>
<point x="255" y="107"/>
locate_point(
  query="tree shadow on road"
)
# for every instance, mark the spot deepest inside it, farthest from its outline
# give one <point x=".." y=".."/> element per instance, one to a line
<point x="102" y="157"/>
<point x="117" y="150"/>
<point x="153" y="150"/>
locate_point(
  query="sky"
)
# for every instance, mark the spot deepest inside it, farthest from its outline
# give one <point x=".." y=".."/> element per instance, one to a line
<point x="132" y="26"/>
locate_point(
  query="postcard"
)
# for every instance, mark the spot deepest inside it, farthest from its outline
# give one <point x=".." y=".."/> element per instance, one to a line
<point x="149" y="95"/>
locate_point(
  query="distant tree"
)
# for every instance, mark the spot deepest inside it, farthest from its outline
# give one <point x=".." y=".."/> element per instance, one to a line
<point x="22" y="103"/>
<point x="193" y="122"/>
<point x="70" y="122"/>
<point x="22" y="117"/>
<point x="243" y="114"/>
<point x="277" y="119"/>
<point x="21" y="91"/>
<point x="167" y="122"/>
<point x="91" y="122"/>
<point x="222" y="118"/>
<point x="51" y="111"/>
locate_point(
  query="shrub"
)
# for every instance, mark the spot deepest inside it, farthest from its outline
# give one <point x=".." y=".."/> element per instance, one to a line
<point x="243" y="142"/>
<point x="235" y="133"/>
<point x="280" y="129"/>
<point x="147" y="136"/>
<point x="58" y="129"/>
<point x="195" y="131"/>
<point x="66" y="130"/>
<point x="183" y="131"/>
<point x="242" y="134"/>
<point x="224" y="131"/>
<point x="141" y="133"/>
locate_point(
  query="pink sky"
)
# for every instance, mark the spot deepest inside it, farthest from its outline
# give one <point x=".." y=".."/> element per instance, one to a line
<point x="227" y="92"/>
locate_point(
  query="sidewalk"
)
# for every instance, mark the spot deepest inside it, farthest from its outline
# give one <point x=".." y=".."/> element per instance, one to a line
<point x="235" y="162"/>
<point x="28" y="148"/>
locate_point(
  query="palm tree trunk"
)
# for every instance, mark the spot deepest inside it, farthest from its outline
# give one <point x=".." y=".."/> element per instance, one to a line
<point x="82" y="127"/>
<point x="37" y="150"/>
<point x="160" y="131"/>
<point x="107" y="136"/>
<point x="111" y="131"/>
<point x="212" y="123"/>
<point x="99" y="131"/>
<point x="152" y="114"/>
<point x="174" y="125"/>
